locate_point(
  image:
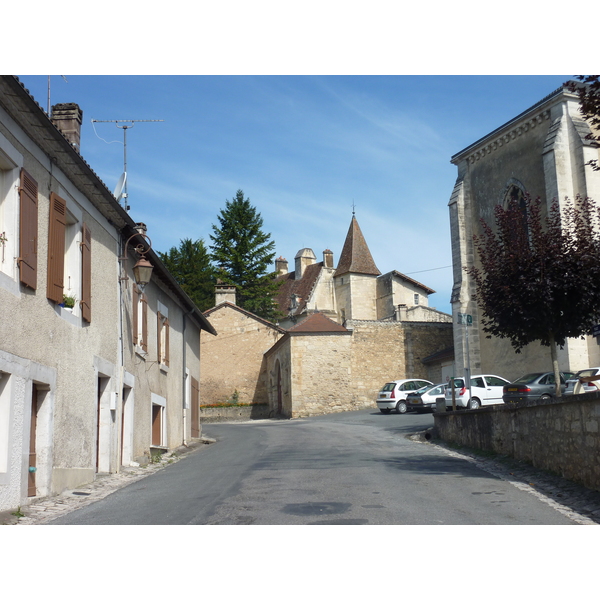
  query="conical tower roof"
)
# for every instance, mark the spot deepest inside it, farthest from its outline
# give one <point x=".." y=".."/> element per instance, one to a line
<point x="356" y="256"/>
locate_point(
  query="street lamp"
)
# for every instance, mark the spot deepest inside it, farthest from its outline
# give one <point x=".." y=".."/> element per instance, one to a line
<point x="142" y="270"/>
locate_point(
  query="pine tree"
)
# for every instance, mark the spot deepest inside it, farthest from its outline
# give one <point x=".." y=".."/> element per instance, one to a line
<point x="243" y="253"/>
<point x="190" y="266"/>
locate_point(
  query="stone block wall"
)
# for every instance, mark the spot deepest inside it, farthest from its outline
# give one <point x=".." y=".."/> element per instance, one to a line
<point x="233" y="360"/>
<point x="562" y="436"/>
<point x="377" y="357"/>
<point x="422" y="340"/>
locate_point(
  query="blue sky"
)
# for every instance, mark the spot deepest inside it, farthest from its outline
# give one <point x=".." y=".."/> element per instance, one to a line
<point x="304" y="149"/>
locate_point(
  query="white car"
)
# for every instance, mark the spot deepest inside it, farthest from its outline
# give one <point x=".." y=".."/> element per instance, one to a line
<point x="585" y="387"/>
<point x="485" y="390"/>
<point x="392" y="395"/>
<point x="426" y="398"/>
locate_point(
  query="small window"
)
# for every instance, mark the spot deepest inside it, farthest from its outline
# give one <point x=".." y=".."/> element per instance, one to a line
<point x="416" y="298"/>
<point x="140" y="320"/>
<point x="163" y="339"/>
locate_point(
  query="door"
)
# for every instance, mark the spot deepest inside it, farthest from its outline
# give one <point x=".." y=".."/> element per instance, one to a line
<point x="156" y="425"/>
<point x="31" y="487"/>
<point x="495" y="389"/>
<point x="279" y="392"/>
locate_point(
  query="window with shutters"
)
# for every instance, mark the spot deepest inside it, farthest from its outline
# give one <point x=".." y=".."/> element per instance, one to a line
<point x="162" y="330"/>
<point x="10" y="210"/>
<point x="140" y="321"/>
<point x="69" y="281"/>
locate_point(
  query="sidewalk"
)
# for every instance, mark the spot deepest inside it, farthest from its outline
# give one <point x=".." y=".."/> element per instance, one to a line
<point x="43" y="510"/>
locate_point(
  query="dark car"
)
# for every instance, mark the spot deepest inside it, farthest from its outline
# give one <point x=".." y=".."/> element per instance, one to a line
<point x="533" y="386"/>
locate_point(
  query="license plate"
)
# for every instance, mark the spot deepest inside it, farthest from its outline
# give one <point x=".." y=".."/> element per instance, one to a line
<point x="414" y="401"/>
<point x="382" y="395"/>
<point x="512" y="389"/>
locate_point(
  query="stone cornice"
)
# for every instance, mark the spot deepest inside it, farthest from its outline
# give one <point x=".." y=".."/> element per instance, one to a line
<point x="508" y="136"/>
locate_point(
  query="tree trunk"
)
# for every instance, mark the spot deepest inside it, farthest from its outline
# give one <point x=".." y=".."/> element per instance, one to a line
<point x="554" y="355"/>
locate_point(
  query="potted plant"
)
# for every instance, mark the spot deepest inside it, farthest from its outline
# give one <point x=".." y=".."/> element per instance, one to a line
<point x="68" y="301"/>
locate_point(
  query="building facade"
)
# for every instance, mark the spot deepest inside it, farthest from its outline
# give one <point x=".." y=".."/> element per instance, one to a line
<point x="95" y="372"/>
<point x="541" y="152"/>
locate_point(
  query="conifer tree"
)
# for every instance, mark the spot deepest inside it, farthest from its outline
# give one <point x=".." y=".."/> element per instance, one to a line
<point x="191" y="267"/>
<point x="243" y="254"/>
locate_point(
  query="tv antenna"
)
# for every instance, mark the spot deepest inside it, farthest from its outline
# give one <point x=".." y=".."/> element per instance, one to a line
<point x="120" y="192"/>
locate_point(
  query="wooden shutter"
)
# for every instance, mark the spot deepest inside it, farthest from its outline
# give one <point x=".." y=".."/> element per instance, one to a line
<point x="86" y="273"/>
<point x="166" y="349"/>
<point x="159" y="326"/>
<point x="56" y="248"/>
<point x="134" y="316"/>
<point x="144" y="340"/>
<point x="28" y="225"/>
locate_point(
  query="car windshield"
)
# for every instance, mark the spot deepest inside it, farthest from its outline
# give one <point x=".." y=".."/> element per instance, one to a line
<point x="586" y="373"/>
<point x="423" y="390"/>
<point x="388" y="387"/>
<point x="459" y="383"/>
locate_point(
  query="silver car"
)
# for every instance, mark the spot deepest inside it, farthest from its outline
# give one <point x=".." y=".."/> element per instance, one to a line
<point x="585" y="387"/>
<point x="392" y="395"/>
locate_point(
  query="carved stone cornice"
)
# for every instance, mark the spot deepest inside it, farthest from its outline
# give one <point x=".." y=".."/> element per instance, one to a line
<point x="508" y="136"/>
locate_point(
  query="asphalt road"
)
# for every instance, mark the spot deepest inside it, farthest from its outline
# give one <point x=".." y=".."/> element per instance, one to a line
<point x="345" y="469"/>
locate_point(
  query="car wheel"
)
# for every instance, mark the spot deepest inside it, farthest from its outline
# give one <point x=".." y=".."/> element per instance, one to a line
<point x="386" y="411"/>
<point x="545" y="397"/>
<point x="401" y="407"/>
<point x="474" y="403"/>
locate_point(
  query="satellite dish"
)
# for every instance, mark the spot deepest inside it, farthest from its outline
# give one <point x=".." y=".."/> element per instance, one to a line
<point x="120" y="186"/>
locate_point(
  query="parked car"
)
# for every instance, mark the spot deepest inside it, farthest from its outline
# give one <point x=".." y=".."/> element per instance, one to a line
<point x="485" y="390"/>
<point x="533" y="386"/>
<point x="426" y="398"/>
<point x="392" y="395"/>
<point x="585" y="387"/>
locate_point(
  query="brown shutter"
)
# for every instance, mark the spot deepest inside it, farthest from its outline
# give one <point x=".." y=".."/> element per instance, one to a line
<point x="134" y="316"/>
<point x="56" y="248"/>
<point x="86" y="274"/>
<point x="144" y="340"/>
<point x="28" y="225"/>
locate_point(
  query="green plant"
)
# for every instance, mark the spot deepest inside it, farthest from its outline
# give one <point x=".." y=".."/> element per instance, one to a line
<point x="18" y="513"/>
<point x="235" y="397"/>
<point x="69" y="300"/>
<point x="156" y="458"/>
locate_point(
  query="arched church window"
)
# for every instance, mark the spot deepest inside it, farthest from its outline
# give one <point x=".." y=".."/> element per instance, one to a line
<point x="515" y="195"/>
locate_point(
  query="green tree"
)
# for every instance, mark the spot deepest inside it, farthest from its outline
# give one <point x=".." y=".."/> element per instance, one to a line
<point x="539" y="278"/>
<point x="244" y="253"/>
<point x="191" y="267"/>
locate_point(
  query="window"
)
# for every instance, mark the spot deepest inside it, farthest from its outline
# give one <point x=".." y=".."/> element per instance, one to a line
<point x="416" y="298"/>
<point x="163" y="339"/>
<point x="69" y="258"/>
<point x="10" y="191"/>
<point x="28" y="224"/>
<point x="140" y="320"/>
<point x="477" y="382"/>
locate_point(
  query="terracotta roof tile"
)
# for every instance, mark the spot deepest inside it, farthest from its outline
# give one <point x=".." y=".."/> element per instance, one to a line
<point x="318" y="323"/>
<point x="301" y="287"/>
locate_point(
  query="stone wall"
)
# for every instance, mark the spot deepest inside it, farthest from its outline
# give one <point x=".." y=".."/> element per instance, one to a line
<point x="560" y="435"/>
<point x="232" y="361"/>
<point x="220" y="414"/>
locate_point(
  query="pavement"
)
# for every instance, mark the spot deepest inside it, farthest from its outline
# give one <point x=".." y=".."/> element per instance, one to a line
<point x="43" y="510"/>
<point x="577" y="502"/>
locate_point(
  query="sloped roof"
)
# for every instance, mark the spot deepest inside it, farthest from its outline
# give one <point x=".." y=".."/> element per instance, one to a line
<point x="318" y="323"/>
<point x="239" y="309"/>
<point x="301" y="287"/>
<point x="416" y="283"/>
<point x="356" y="256"/>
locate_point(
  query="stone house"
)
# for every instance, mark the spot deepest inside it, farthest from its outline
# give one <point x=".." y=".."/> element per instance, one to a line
<point x="541" y="152"/>
<point x="233" y="363"/>
<point x="347" y="331"/>
<point x="95" y="371"/>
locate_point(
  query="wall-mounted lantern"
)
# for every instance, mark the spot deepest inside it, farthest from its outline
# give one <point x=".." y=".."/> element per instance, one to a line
<point x="142" y="270"/>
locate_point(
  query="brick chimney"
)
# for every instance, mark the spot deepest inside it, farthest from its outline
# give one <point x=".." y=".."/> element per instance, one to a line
<point x="67" y="118"/>
<point x="281" y="266"/>
<point x="328" y="259"/>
